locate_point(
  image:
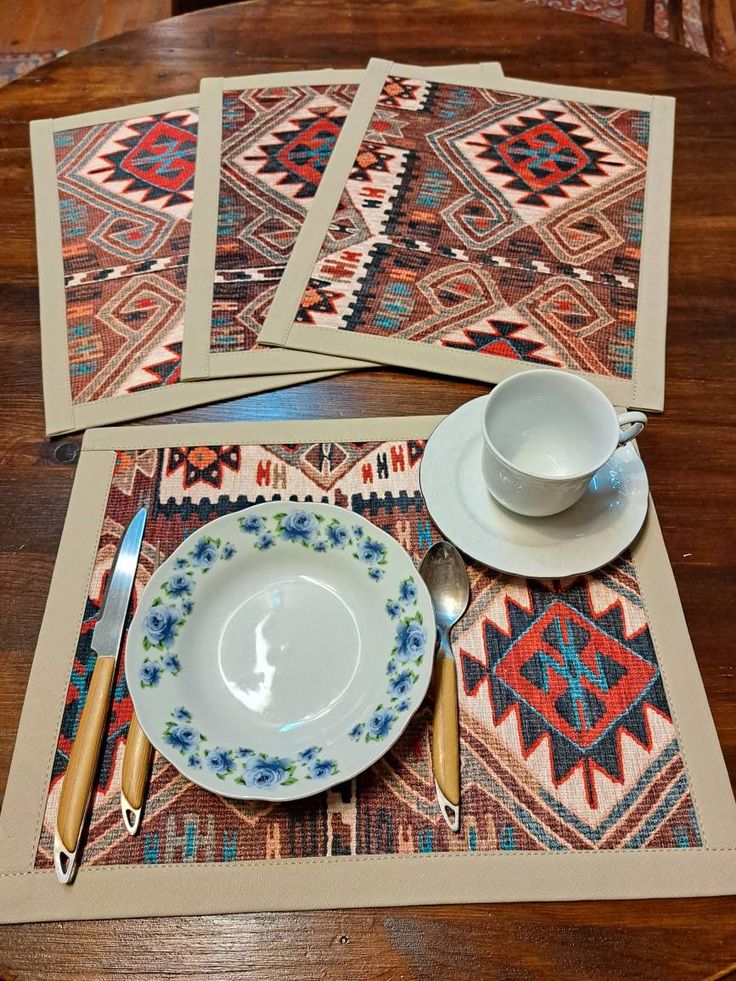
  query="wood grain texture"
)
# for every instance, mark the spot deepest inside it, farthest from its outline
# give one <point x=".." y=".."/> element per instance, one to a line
<point x="55" y="25"/>
<point x="136" y="764"/>
<point x="719" y="24"/>
<point x="85" y="754"/>
<point x="445" y="732"/>
<point x="689" y="452"/>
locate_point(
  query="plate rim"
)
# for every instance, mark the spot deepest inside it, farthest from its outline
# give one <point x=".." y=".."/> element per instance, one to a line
<point x="475" y="555"/>
<point x="403" y="719"/>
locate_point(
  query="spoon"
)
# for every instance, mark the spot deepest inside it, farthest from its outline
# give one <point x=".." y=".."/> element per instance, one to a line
<point x="443" y="570"/>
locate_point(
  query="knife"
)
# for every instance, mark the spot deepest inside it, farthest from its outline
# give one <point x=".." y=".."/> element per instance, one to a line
<point x="84" y="758"/>
<point x="136" y="768"/>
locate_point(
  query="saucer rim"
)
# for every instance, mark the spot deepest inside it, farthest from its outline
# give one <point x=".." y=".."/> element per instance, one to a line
<point x="475" y="553"/>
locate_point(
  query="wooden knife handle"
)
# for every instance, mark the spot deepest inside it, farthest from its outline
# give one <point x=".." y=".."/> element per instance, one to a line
<point x="80" y="773"/>
<point x="136" y="769"/>
<point x="445" y="732"/>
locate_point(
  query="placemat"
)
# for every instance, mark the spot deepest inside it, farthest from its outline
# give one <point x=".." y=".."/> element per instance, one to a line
<point x="476" y="231"/>
<point x="593" y="772"/>
<point x="113" y="192"/>
<point x="266" y="142"/>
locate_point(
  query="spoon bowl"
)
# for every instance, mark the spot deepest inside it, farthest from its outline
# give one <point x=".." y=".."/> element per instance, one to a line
<point x="444" y="572"/>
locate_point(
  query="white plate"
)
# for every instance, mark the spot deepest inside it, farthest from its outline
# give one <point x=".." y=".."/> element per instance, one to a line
<point x="587" y="536"/>
<point x="280" y="650"/>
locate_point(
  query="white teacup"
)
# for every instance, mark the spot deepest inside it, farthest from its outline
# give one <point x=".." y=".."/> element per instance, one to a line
<point x="545" y="433"/>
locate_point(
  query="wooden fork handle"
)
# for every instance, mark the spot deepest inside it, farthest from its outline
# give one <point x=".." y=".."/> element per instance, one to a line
<point x="136" y="769"/>
<point x="80" y="773"/>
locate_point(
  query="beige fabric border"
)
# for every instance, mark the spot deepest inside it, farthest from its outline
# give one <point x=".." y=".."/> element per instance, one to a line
<point x="62" y="414"/>
<point x="644" y="390"/>
<point x="310" y="883"/>
<point x="198" y="361"/>
<point x="30" y="769"/>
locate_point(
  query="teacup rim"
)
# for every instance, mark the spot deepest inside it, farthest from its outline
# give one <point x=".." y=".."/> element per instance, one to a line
<point x="551" y="478"/>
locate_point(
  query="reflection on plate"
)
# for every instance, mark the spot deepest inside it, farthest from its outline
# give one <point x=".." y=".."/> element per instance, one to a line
<point x="584" y="537"/>
<point x="280" y="650"/>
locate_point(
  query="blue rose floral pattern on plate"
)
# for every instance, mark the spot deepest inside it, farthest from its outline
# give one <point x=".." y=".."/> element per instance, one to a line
<point x="313" y="530"/>
<point x="410" y="644"/>
<point x="251" y="769"/>
<point x="173" y="604"/>
<point x="175" y="601"/>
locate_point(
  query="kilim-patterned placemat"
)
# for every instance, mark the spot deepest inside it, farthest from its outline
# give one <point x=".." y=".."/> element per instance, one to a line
<point x="475" y="230"/>
<point x="264" y="148"/>
<point x="114" y="193"/>
<point x="592" y="771"/>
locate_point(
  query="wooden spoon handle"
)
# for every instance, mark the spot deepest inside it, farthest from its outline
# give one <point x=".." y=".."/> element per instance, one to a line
<point x="136" y="769"/>
<point x="80" y="773"/>
<point x="446" y="737"/>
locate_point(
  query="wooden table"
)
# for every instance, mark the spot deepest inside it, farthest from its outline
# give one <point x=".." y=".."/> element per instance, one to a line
<point x="690" y="453"/>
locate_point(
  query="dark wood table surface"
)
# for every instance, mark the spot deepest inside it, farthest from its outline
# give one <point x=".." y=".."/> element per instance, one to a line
<point x="689" y="451"/>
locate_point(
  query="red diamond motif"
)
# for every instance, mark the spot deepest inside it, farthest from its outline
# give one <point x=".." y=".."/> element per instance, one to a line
<point x="543" y="156"/>
<point x="164" y="157"/>
<point x="574" y="675"/>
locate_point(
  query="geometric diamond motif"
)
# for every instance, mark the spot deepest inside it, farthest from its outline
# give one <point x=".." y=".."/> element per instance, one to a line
<point x="404" y="93"/>
<point x="301" y="153"/>
<point x="324" y="463"/>
<point x="571" y="672"/>
<point x="460" y="287"/>
<point x="565" y="307"/>
<point x="580" y="233"/>
<point x="275" y="234"/>
<point x="385" y="125"/>
<point x="131" y="234"/>
<point x="541" y="157"/>
<point x="157" y="159"/>
<point x="138" y="309"/>
<point x="370" y="158"/>
<point x="571" y="678"/>
<point x="501" y="339"/>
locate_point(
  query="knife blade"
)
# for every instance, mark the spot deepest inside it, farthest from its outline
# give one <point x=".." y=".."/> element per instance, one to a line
<point x="80" y="774"/>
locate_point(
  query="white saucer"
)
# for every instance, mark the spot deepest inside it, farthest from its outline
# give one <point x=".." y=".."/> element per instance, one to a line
<point x="585" y="537"/>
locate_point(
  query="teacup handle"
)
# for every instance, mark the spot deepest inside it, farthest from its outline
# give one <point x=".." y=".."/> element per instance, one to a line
<point x="631" y="424"/>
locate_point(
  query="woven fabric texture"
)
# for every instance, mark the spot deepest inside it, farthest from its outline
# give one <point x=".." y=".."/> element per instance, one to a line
<point x="125" y="200"/>
<point x="490" y="222"/>
<point x="567" y="738"/>
<point x="276" y="143"/>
